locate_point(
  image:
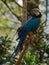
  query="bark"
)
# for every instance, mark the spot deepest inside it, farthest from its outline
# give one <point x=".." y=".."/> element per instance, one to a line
<point x="24" y="10"/>
<point x="21" y="56"/>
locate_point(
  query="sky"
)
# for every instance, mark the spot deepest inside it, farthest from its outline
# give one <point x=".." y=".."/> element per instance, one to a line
<point x="20" y="2"/>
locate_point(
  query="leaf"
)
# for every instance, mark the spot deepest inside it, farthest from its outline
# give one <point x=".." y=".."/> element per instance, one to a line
<point x="33" y="57"/>
<point x="27" y="56"/>
<point x="42" y="45"/>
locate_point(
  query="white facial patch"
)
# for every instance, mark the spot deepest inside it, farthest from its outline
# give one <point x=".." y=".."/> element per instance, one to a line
<point x="37" y="13"/>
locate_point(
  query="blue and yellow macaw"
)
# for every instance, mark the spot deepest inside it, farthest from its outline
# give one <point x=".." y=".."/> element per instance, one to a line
<point x="30" y="25"/>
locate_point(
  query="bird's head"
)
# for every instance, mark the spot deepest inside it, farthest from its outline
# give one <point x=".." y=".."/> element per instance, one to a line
<point x="35" y="12"/>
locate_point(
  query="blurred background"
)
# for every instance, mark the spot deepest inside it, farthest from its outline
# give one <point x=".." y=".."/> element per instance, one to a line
<point x="13" y="14"/>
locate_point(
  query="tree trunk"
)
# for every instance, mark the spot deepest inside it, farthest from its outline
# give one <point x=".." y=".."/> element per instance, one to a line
<point x="24" y="11"/>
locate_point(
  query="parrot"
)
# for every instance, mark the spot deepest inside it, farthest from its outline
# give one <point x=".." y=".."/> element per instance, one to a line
<point x="31" y="25"/>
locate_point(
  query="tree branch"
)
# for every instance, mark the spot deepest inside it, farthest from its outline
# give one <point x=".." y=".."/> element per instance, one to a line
<point x="21" y="56"/>
<point x="19" y="18"/>
<point x="18" y="4"/>
<point x="24" y="11"/>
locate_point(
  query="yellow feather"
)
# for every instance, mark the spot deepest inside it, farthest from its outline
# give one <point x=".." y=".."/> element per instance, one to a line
<point x="41" y="19"/>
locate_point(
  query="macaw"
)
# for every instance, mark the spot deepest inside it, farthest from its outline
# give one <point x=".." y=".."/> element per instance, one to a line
<point x="31" y="25"/>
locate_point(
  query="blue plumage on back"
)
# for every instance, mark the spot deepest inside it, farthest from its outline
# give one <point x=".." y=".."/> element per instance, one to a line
<point x="32" y="24"/>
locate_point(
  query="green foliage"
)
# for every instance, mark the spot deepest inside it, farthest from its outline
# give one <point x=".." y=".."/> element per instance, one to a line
<point x="27" y="56"/>
<point x="4" y="21"/>
<point x="47" y="49"/>
<point x="18" y="10"/>
<point x="4" y="47"/>
<point x="42" y="45"/>
<point x="28" y="59"/>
